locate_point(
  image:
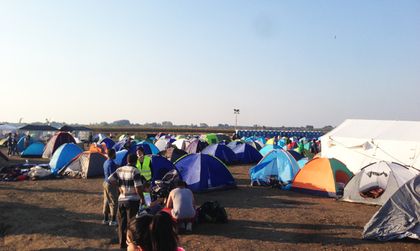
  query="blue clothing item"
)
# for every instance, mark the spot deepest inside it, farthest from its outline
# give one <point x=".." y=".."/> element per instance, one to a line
<point x="109" y="168"/>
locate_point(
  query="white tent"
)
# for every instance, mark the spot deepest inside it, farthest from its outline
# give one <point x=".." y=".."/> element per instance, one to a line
<point x="358" y="143"/>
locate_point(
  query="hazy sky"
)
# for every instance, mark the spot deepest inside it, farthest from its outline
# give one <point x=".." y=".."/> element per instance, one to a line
<point x="280" y="62"/>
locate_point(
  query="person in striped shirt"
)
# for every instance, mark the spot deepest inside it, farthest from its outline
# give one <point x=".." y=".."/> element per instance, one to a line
<point x="128" y="180"/>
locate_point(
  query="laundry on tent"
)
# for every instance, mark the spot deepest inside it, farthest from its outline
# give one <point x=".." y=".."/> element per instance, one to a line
<point x="399" y="217"/>
<point x="278" y="166"/>
<point x="322" y="176"/>
<point x="377" y="182"/>
<point x="203" y="172"/>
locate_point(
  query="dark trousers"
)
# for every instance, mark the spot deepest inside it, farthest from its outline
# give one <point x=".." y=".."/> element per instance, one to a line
<point x="126" y="212"/>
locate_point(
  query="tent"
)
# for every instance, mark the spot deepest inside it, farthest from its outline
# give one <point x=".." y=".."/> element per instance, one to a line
<point x="55" y="142"/>
<point x="148" y="147"/>
<point x="322" y="176"/>
<point x="295" y="155"/>
<point x="160" y="166"/>
<point x="399" y="217"/>
<point x="63" y="155"/>
<point x="85" y="165"/>
<point x="222" y="152"/>
<point x="121" y="157"/>
<point x="211" y="138"/>
<point x="181" y="143"/>
<point x="108" y="142"/>
<point x="173" y="154"/>
<point x="162" y="144"/>
<point x="268" y="148"/>
<point x="196" y="146"/>
<point x="247" y="154"/>
<point x="358" y="143"/>
<point x="204" y="172"/>
<point x="377" y="182"/>
<point x="21" y="143"/>
<point x="254" y="144"/>
<point x="234" y="144"/>
<point x="34" y="150"/>
<point x="278" y="165"/>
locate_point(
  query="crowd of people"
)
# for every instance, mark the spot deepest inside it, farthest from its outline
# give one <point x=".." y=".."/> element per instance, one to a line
<point x="144" y="224"/>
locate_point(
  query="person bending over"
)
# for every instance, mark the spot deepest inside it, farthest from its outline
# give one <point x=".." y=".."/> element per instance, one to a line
<point x="181" y="205"/>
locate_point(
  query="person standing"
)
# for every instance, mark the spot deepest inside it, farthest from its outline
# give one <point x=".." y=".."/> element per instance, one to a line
<point x="14" y="144"/>
<point x="110" y="205"/>
<point x="144" y="165"/>
<point x="128" y="180"/>
<point x="9" y="143"/>
<point x="26" y="141"/>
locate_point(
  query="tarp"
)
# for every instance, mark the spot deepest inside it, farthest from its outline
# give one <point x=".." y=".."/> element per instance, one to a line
<point x="34" y="150"/>
<point x="204" y="172"/>
<point x="383" y="178"/>
<point x="278" y="165"/>
<point x="247" y="154"/>
<point x="37" y="128"/>
<point x="358" y="143"/>
<point x="63" y="155"/>
<point x="322" y="176"/>
<point x="85" y="165"/>
<point x="399" y="217"/>
<point x="222" y="152"/>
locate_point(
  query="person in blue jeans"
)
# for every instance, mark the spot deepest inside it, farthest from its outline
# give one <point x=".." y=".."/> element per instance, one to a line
<point x="110" y="205"/>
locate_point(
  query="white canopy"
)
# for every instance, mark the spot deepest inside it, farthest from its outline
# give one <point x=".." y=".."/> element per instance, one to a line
<point x="358" y="143"/>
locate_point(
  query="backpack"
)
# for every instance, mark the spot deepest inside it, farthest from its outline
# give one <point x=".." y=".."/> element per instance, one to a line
<point x="212" y="212"/>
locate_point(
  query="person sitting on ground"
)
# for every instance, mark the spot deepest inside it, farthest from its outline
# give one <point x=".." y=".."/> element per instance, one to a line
<point x="110" y="205"/>
<point x="138" y="234"/>
<point x="163" y="233"/>
<point x="181" y="205"/>
<point x="131" y="195"/>
<point x="144" y="165"/>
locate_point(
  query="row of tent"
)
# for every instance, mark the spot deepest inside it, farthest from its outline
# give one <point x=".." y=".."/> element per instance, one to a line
<point x="393" y="186"/>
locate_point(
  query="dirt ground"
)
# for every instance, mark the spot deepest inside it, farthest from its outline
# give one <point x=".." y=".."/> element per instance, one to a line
<point x="65" y="214"/>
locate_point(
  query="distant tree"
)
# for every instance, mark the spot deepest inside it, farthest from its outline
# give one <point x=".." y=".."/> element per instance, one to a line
<point x="204" y="125"/>
<point x="167" y="124"/>
<point x="122" y="122"/>
<point x="309" y="127"/>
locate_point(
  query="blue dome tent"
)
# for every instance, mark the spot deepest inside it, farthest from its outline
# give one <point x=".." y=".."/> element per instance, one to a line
<point x="221" y="152"/>
<point x="34" y="150"/>
<point x="278" y="165"/>
<point x="204" y="172"/>
<point x="63" y="155"/>
<point x="246" y="153"/>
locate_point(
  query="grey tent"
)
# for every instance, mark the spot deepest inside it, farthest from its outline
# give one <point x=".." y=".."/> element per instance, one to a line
<point x="399" y="217"/>
<point x="85" y="165"/>
<point x="377" y="182"/>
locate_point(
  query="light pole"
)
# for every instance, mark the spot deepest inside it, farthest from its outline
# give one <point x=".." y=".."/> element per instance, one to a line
<point x="236" y="112"/>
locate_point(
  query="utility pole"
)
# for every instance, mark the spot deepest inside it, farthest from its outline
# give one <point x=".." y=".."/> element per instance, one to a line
<point x="236" y="112"/>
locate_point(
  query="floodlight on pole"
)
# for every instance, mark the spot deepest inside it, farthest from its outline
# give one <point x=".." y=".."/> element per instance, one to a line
<point x="236" y="112"/>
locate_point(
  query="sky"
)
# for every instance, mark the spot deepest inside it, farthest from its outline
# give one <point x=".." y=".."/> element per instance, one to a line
<point x="291" y="63"/>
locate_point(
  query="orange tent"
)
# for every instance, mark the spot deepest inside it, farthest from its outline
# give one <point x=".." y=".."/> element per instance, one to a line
<point x="322" y="176"/>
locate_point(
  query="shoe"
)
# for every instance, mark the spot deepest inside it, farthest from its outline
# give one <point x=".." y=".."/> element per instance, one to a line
<point x="113" y="223"/>
<point x="189" y="227"/>
<point x="105" y="222"/>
